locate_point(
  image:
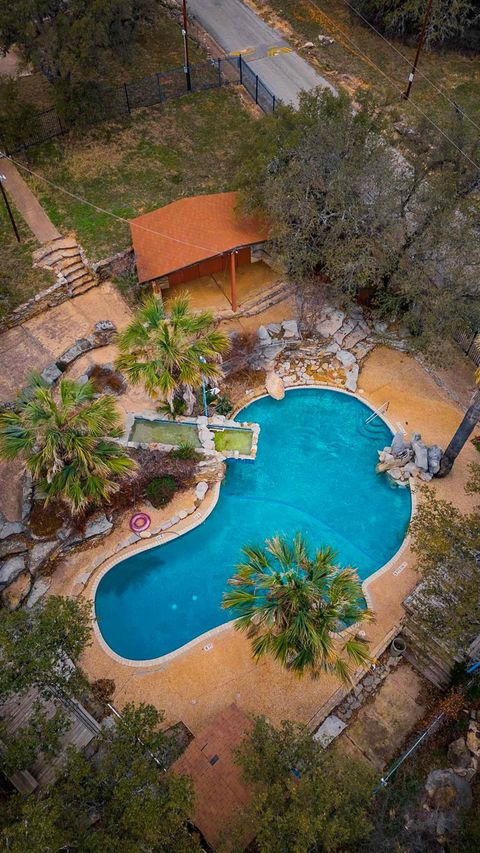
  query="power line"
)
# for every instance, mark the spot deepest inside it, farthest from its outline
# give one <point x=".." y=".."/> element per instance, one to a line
<point x="103" y="210"/>
<point x="406" y="59"/>
<point x="367" y="59"/>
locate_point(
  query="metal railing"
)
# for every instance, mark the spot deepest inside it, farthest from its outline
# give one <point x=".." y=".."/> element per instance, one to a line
<point x="119" y="101"/>
<point x="377" y="412"/>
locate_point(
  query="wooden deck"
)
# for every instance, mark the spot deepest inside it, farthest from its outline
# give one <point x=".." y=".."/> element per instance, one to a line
<point x="15" y="714"/>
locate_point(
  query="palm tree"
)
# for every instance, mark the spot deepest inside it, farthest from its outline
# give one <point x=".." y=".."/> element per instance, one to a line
<point x="468" y="424"/>
<point x="65" y="442"/>
<point x="169" y="353"/>
<point x="298" y="609"/>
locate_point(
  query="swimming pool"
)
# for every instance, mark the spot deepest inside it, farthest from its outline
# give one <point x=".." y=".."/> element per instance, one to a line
<point x="314" y="472"/>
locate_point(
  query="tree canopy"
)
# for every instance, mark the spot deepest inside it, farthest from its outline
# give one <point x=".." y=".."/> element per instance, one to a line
<point x="169" y="352"/>
<point x="351" y="211"/>
<point x="122" y="801"/>
<point x="304" y="797"/>
<point x="457" y="20"/>
<point x="446" y="542"/>
<point x="65" y="439"/>
<point x="68" y="39"/>
<point x="298" y="608"/>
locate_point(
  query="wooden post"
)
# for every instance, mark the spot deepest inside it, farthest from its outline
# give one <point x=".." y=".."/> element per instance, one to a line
<point x="233" y="281"/>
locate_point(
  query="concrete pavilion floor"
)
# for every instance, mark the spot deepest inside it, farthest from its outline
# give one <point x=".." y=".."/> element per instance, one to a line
<point x="212" y="292"/>
<point x="199" y="683"/>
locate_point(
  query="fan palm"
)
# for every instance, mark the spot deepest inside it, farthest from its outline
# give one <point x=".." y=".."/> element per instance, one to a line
<point x="464" y="431"/>
<point x="297" y="608"/>
<point x="65" y="442"/>
<point x="168" y="353"/>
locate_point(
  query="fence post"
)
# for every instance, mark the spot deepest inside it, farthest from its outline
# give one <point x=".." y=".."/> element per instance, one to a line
<point x="126" y="97"/>
<point x="241" y="70"/>
<point x="273" y="103"/>
<point x="219" y="72"/>
<point x="160" y="91"/>
<point x="256" y="88"/>
<point x="467" y="351"/>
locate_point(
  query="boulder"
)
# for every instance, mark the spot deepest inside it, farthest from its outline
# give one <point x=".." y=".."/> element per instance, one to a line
<point x="420" y="455"/>
<point x="344" y="330"/>
<point x="9" y="528"/>
<point x="290" y="329"/>
<point x="395" y="473"/>
<point x="473" y="738"/>
<point x="274" y="385"/>
<point x="263" y="336"/>
<point x="308" y="45"/>
<point x="13" y="545"/>
<point x="398" y="444"/>
<point x="274" y="329"/>
<point x="97" y="526"/>
<point x="39" y="588"/>
<point x="75" y="351"/>
<point x="447" y="795"/>
<point x="410" y="469"/>
<point x="10" y="569"/>
<point x="351" y="378"/>
<point x="17" y="591"/>
<point x="201" y="490"/>
<point x="347" y="359"/>
<point x="51" y="373"/>
<point x="41" y="553"/>
<point x="325" y="40"/>
<point x="434" y="454"/>
<point x="458" y="754"/>
<point x="331" y="322"/>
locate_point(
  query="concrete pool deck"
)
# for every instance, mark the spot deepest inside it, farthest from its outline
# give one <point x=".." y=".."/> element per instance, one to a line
<point x="198" y="683"/>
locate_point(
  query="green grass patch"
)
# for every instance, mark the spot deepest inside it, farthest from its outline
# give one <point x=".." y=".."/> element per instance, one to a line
<point x="182" y="147"/>
<point x="19" y="281"/>
<point x="233" y="439"/>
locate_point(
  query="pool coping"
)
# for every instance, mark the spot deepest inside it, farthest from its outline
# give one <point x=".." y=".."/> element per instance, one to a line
<point x="111" y="562"/>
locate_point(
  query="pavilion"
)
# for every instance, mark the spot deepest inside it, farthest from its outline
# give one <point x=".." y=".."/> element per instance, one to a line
<point x="195" y="237"/>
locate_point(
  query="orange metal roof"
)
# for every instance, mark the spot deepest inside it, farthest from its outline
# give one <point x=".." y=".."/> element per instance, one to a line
<point x="188" y="231"/>
<point x="219" y="789"/>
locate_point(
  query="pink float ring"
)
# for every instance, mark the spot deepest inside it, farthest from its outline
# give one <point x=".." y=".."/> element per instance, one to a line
<point x="139" y="522"/>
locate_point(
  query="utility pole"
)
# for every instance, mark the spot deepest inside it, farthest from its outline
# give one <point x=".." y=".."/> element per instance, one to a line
<point x="186" y="66"/>
<point x="9" y="209"/>
<point x="421" y="40"/>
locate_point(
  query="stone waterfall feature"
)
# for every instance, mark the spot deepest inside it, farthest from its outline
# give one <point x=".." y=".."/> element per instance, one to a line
<point x="404" y="460"/>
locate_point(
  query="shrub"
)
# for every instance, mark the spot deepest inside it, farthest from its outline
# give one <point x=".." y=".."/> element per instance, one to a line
<point x="161" y="490"/>
<point x="103" y="690"/>
<point x="173" y="410"/>
<point x="185" y="450"/>
<point x="224" y="405"/>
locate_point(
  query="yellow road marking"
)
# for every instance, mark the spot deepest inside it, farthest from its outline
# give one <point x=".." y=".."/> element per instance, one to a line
<point x="245" y="51"/>
<point x="272" y="51"/>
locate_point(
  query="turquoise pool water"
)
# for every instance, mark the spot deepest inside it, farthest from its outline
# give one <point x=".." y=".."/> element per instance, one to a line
<point x="314" y="472"/>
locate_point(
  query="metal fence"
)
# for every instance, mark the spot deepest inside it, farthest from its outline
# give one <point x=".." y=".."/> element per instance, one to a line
<point x="120" y="100"/>
<point x="469" y="340"/>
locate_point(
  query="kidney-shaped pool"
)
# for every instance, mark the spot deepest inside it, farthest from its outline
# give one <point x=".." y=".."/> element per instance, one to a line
<point x="314" y="472"/>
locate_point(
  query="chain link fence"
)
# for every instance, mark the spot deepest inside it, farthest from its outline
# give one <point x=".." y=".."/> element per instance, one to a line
<point x="119" y="101"/>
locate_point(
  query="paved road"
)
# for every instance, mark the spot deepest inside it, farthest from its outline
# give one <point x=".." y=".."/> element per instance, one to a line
<point x="237" y="29"/>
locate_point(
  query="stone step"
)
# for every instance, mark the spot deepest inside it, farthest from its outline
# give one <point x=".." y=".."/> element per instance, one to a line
<point x="69" y="265"/>
<point x="51" y="259"/>
<point x="55" y="246"/>
<point x="87" y="283"/>
<point x="77" y="274"/>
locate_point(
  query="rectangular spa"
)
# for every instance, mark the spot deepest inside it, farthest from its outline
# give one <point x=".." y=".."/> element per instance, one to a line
<point x="215" y="434"/>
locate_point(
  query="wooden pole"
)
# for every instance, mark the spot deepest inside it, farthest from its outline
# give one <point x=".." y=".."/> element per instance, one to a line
<point x="186" y="66"/>
<point x="421" y="40"/>
<point x="233" y="281"/>
<point x="9" y="209"/>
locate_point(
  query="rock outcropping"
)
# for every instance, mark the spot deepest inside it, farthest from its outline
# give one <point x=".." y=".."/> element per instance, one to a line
<point x="404" y="460"/>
